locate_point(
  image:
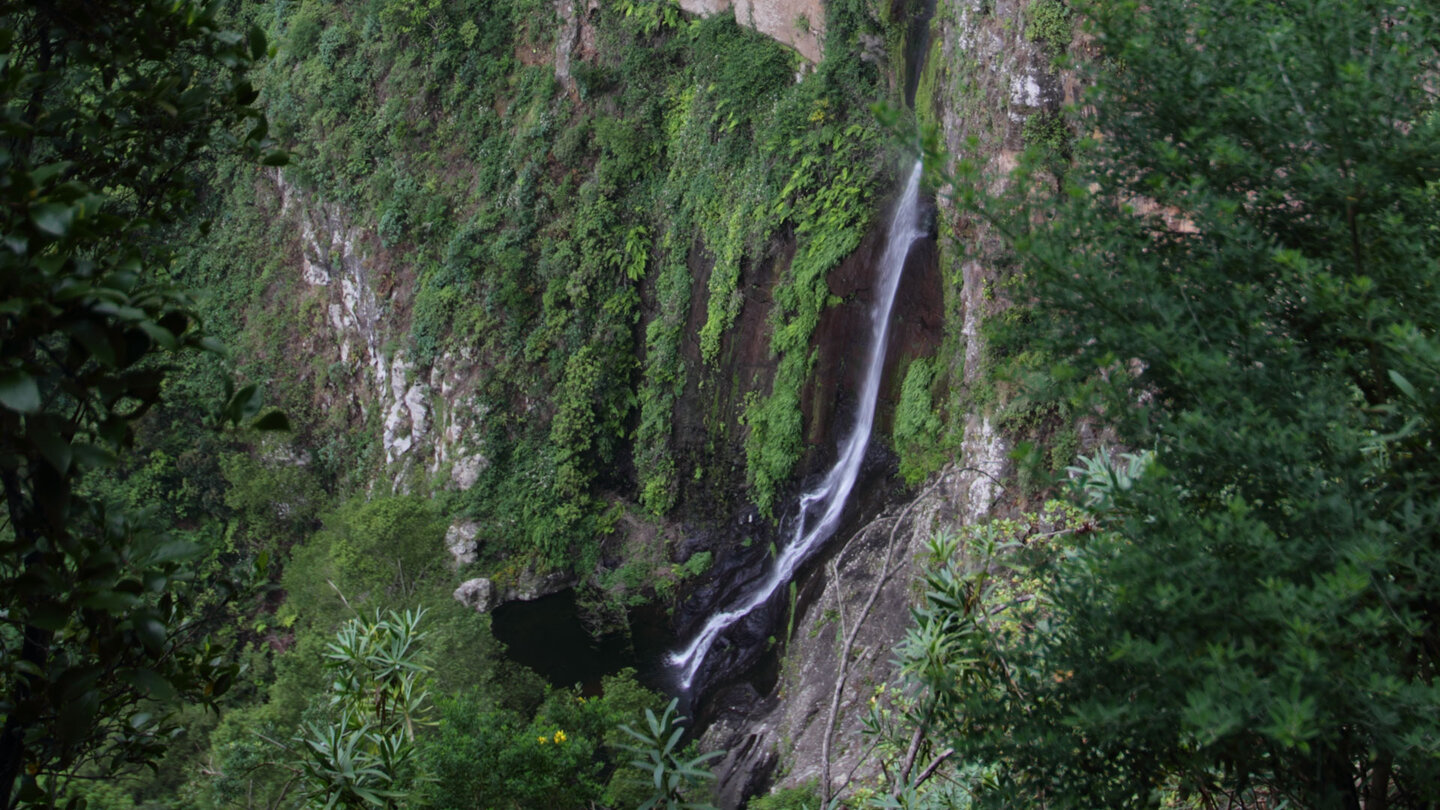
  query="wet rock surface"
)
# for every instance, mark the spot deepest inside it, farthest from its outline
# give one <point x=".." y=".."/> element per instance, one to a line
<point x="840" y="653"/>
<point x="873" y="567"/>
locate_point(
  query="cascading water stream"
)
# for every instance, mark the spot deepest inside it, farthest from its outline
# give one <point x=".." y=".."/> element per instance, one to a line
<point x="828" y="499"/>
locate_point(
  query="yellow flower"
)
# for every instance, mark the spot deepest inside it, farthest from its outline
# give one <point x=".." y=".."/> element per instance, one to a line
<point x="542" y="740"/>
<point x="560" y="737"/>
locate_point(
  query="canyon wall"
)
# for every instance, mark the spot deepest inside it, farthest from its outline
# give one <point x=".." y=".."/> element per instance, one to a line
<point x="799" y="24"/>
<point x="986" y="72"/>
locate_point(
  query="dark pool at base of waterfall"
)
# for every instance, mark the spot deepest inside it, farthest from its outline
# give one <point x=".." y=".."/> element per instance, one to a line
<point x="549" y="636"/>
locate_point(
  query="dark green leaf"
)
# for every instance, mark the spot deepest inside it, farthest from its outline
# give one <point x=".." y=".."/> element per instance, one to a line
<point x="49" y="616"/>
<point x="149" y="682"/>
<point x="244" y="404"/>
<point x="91" y="456"/>
<point x="110" y="601"/>
<point x="18" y="391"/>
<point x="171" y="551"/>
<point x="257" y="42"/>
<point x="245" y="93"/>
<point x="53" y="218"/>
<point x="160" y="335"/>
<point x="1404" y="385"/>
<point x="152" y="634"/>
<point x="49" y="171"/>
<point x="274" y="420"/>
<point x="77" y="716"/>
<point x="45" y="434"/>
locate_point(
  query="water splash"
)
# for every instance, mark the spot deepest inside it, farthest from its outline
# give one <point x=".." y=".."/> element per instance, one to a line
<point x="827" y="501"/>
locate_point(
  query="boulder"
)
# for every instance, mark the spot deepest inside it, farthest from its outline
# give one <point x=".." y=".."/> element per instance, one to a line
<point x="460" y="542"/>
<point x="478" y="593"/>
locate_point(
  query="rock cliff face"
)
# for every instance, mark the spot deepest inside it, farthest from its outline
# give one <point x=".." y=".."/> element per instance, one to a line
<point x="983" y="78"/>
<point x="842" y="646"/>
<point x="427" y="421"/>
<point x="430" y="422"/>
<point x="985" y="75"/>
<point x="797" y="23"/>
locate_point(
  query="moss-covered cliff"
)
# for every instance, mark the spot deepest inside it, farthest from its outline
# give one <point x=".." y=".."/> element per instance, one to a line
<point x="570" y="296"/>
<point x="553" y="263"/>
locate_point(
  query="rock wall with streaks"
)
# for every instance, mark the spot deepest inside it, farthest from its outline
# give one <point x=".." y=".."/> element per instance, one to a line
<point x="984" y="75"/>
<point x="428" y="422"/>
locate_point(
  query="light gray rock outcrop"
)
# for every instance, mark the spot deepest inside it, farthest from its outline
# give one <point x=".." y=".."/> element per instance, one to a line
<point x="477" y="593"/>
<point x="460" y="542"/>
<point x="482" y="594"/>
<point x="799" y="24"/>
<point x="429" y="418"/>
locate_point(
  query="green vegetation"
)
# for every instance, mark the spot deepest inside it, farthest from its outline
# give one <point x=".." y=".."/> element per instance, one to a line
<point x="674" y="773"/>
<point x="1237" y="281"/>
<point x="552" y="232"/>
<point x="828" y="201"/>
<point x="570" y="753"/>
<point x="932" y="82"/>
<point x="451" y="699"/>
<point x="753" y="155"/>
<point x="1048" y="21"/>
<point x="1047" y="132"/>
<point x="801" y="798"/>
<point x="364" y="753"/>
<point x="546" y="230"/>
<point x="917" y="426"/>
<point x="1238" y="278"/>
<point x="105" y="633"/>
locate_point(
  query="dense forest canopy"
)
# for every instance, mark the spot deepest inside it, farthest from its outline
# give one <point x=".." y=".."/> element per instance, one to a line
<point x="1238" y="277"/>
<point x="107" y="110"/>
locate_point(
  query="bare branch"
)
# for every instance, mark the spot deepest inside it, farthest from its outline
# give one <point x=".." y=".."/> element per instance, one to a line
<point x="848" y="640"/>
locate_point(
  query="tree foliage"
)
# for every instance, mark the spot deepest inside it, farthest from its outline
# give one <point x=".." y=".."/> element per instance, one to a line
<point x="103" y="109"/>
<point x="485" y="754"/>
<point x="1240" y="274"/>
<point x="674" y="774"/>
<point x="365" y="754"/>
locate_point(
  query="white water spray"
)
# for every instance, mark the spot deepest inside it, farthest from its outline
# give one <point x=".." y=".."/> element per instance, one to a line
<point x="828" y="499"/>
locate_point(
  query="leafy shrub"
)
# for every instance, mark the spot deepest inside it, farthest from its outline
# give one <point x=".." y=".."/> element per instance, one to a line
<point x="303" y="34"/>
<point x="1048" y="21"/>
<point x="1048" y="140"/>
<point x="1242" y="617"/>
<point x="675" y="774"/>
<point x="917" y="426"/>
<point x="364" y="753"/>
<point x="565" y="755"/>
<point x="1047" y="132"/>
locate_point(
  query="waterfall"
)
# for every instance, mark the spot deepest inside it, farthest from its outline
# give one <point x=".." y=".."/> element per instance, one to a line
<point x="827" y="500"/>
